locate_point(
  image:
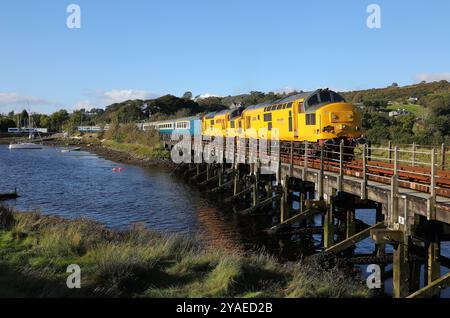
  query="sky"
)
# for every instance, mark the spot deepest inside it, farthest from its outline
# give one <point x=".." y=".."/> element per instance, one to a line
<point x="148" y="48"/>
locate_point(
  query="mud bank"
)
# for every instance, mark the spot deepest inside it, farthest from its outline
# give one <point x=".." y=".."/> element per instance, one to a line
<point x="112" y="154"/>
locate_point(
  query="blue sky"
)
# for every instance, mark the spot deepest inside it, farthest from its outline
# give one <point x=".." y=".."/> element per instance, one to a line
<point x="137" y="48"/>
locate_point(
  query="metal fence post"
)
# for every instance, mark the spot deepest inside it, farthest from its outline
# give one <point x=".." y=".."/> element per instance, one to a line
<point x="364" y="167"/>
<point x="413" y="154"/>
<point x="432" y="201"/>
<point x="305" y="162"/>
<point x="320" y="175"/>
<point x="443" y="153"/>
<point x="291" y="168"/>
<point x="394" y="190"/>
<point x="390" y="151"/>
<point x="341" y="165"/>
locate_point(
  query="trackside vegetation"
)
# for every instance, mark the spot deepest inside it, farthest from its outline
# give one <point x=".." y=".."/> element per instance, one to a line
<point x="35" y="251"/>
<point x="129" y="139"/>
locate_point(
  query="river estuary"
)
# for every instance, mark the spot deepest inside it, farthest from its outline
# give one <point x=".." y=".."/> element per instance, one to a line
<point x="81" y="184"/>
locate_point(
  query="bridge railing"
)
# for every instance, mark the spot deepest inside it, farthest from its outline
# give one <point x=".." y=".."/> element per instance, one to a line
<point x="416" y="154"/>
<point x="419" y="169"/>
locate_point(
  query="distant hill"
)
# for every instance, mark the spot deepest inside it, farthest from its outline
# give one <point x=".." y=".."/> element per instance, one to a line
<point x="171" y="106"/>
<point x="399" y="94"/>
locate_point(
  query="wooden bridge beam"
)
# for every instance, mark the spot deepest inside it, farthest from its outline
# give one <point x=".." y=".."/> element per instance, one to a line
<point x="260" y="205"/>
<point x="292" y="220"/>
<point x="234" y="197"/>
<point x="354" y="239"/>
<point x="432" y="289"/>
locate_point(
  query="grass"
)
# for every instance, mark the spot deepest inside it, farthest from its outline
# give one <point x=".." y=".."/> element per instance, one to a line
<point x="36" y="250"/>
<point x="412" y="108"/>
<point x="421" y="156"/>
<point x="138" y="150"/>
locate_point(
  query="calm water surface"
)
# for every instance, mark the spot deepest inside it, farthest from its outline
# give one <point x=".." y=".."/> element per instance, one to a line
<point x="80" y="184"/>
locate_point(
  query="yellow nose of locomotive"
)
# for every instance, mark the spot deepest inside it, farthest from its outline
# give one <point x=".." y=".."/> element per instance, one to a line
<point x="340" y="119"/>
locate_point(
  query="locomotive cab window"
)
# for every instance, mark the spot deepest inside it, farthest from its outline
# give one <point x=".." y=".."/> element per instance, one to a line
<point x="325" y="97"/>
<point x="313" y="100"/>
<point x="337" y="98"/>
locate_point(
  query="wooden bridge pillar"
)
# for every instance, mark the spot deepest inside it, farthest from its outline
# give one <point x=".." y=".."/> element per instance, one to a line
<point x="433" y="264"/>
<point x="237" y="180"/>
<point x="255" y="197"/>
<point x="284" y="207"/>
<point x="380" y="249"/>
<point x="220" y="172"/>
<point x="208" y="171"/>
<point x="350" y="227"/>
<point x="401" y="271"/>
<point x="328" y="223"/>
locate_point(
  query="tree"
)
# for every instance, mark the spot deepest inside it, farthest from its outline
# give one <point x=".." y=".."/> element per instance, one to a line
<point x="58" y="119"/>
<point x="44" y="121"/>
<point x="6" y="123"/>
<point x="23" y="118"/>
<point x="187" y="95"/>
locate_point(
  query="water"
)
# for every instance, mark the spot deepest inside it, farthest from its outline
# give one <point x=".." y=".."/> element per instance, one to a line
<point x="80" y="184"/>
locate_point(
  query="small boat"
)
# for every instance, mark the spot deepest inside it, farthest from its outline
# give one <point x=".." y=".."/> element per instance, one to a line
<point x="71" y="149"/>
<point x="9" y="196"/>
<point x="24" y="145"/>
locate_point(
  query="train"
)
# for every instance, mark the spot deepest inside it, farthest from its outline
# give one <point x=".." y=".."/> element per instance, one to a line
<point x="320" y="117"/>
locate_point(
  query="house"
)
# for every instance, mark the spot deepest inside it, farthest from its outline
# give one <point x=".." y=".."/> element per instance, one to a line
<point x="398" y="112"/>
<point x="413" y="100"/>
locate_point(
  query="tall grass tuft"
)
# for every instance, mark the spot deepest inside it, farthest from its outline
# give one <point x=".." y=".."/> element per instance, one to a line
<point x="7" y="220"/>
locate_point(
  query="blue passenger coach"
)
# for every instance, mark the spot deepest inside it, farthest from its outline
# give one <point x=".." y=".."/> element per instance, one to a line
<point x="188" y="125"/>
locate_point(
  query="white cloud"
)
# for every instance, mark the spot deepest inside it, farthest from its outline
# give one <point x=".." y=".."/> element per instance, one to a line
<point x="118" y="96"/>
<point x="207" y="95"/>
<point x="83" y="104"/>
<point x="17" y="102"/>
<point x="286" y="90"/>
<point x="432" y="77"/>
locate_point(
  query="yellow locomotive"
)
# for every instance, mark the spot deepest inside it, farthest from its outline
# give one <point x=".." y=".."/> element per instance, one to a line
<point x="318" y="117"/>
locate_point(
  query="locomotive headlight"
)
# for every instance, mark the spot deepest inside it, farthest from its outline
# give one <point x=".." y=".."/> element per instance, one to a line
<point x="334" y="117"/>
<point x="344" y="126"/>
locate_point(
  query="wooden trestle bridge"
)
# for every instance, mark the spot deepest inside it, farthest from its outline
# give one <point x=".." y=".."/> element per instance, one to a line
<point x="407" y="186"/>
